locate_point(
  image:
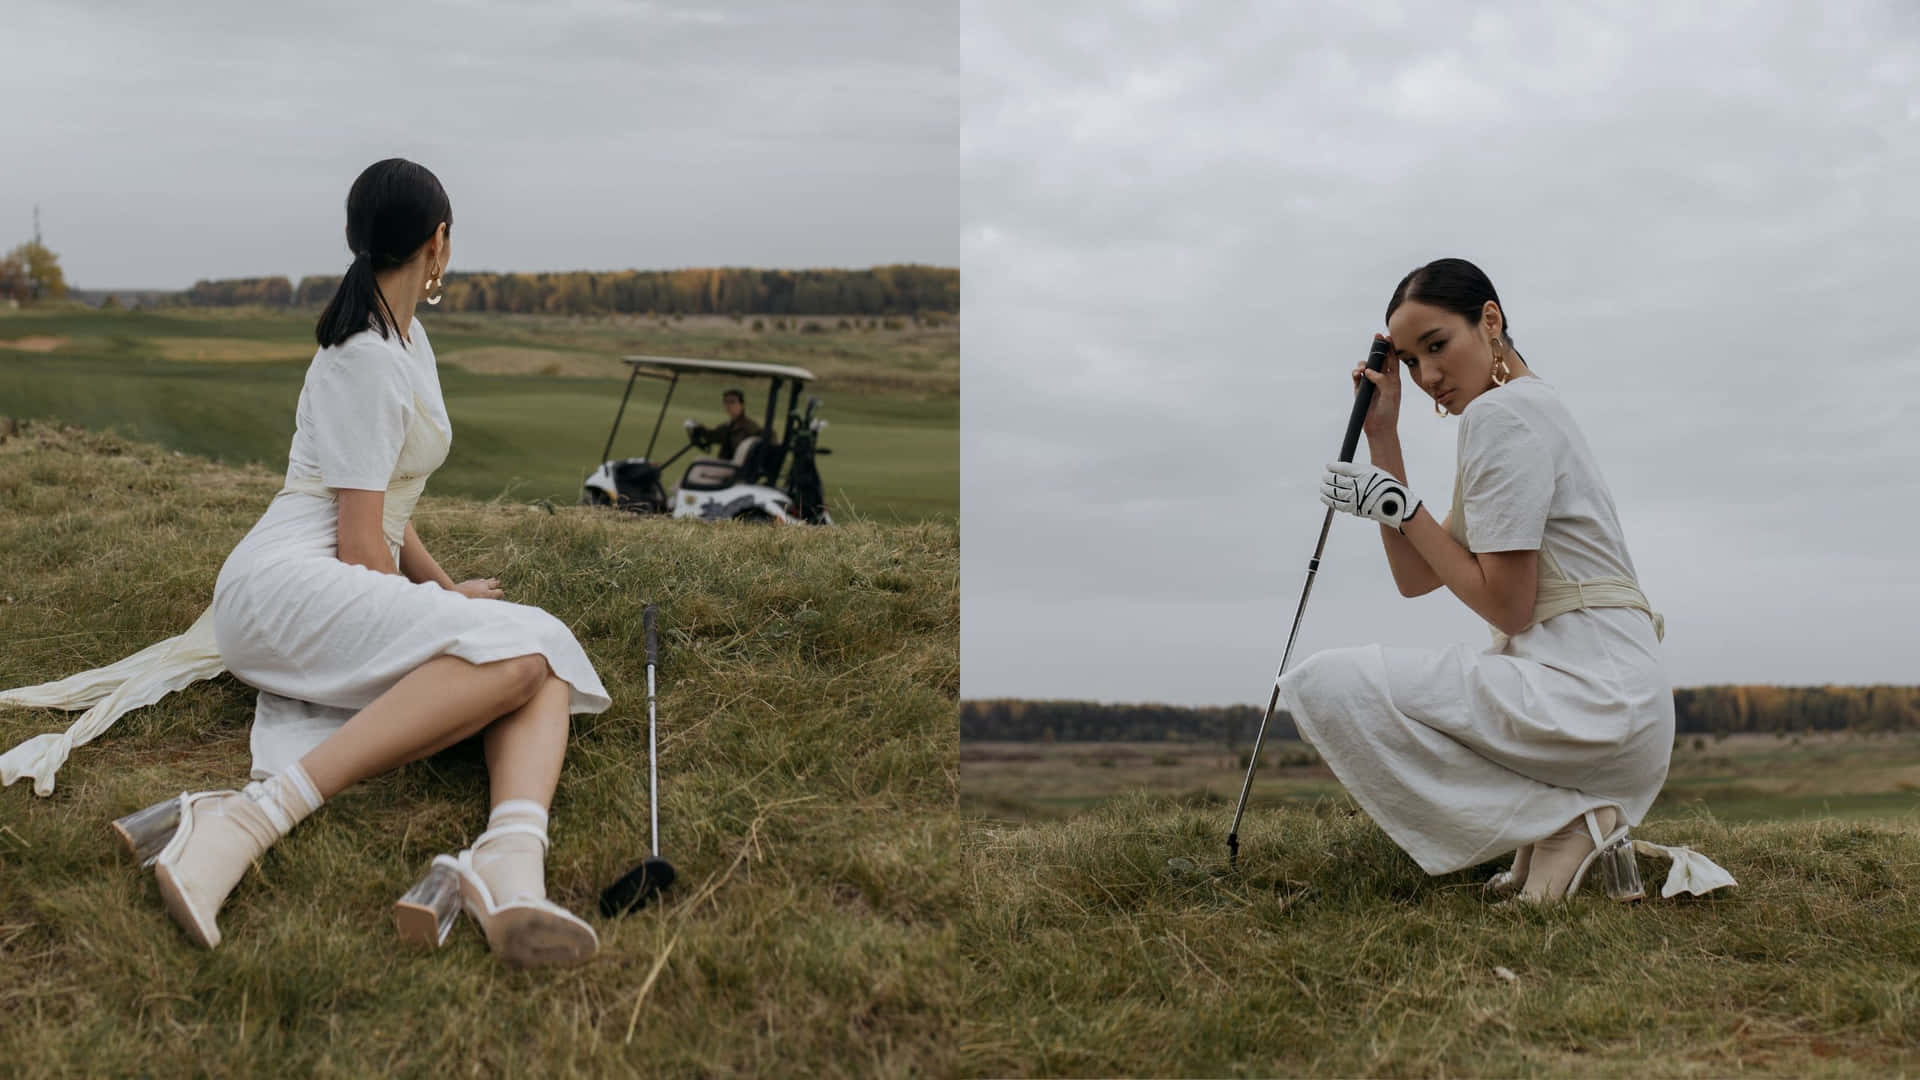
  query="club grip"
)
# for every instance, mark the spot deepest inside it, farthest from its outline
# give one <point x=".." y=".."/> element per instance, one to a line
<point x="1376" y="359"/>
<point x="653" y="639"/>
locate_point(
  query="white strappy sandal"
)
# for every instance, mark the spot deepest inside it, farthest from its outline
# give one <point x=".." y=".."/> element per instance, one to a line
<point x="526" y="932"/>
<point x="1612" y="852"/>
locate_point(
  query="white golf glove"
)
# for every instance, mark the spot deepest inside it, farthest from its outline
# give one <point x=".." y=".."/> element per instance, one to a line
<point x="1368" y="491"/>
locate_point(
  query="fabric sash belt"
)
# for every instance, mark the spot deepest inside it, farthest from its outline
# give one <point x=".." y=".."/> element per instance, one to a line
<point x="1557" y="596"/>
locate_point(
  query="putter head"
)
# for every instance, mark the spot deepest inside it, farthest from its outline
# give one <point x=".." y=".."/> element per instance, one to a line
<point x="637" y="887"/>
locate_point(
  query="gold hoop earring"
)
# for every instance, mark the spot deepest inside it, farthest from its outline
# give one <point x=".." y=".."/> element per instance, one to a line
<point x="1440" y="410"/>
<point x="434" y="284"/>
<point x="1501" y="372"/>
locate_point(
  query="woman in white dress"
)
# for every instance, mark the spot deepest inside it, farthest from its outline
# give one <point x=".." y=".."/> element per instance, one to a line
<point x="1555" y="740"/>
<point x="367" y="655"/>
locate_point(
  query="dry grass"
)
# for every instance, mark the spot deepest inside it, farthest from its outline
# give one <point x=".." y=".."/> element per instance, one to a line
<point x="808" y="704"/>
<point x="1329" y="953"/>
<point x="1736" y="778"/>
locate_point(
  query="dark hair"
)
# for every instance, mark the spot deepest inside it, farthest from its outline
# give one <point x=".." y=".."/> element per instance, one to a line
<point x="1454" y="285"/>
<point x="735" y="394"/>
<point x="392" y="209"/>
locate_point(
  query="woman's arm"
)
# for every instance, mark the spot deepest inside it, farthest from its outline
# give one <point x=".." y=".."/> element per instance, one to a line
<point x="362" y="538"/>
<point x="1410" y="570"/>
<point x="418" y="565"/>
<point x="1498" y="585"/>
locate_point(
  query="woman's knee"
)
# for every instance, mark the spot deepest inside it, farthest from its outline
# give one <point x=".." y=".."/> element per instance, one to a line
<point x="525" y="676"/>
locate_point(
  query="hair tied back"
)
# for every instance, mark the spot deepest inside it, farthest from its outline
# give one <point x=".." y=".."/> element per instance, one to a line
<point x="393" y="209"/>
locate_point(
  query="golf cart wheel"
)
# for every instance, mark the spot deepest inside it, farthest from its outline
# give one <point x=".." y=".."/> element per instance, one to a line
<point x="754" y="514"/>
<point x="595" y="497"/>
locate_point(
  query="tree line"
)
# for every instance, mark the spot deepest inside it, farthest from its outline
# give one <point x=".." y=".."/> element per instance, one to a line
<point x="880" y="290"/>
<point x="1700" y="710"/>
<point x="1009" y="720"/>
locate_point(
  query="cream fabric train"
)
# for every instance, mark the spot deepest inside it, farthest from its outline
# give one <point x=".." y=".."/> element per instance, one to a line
<point x="107" y="694"/>
<point x="283" y="728"/>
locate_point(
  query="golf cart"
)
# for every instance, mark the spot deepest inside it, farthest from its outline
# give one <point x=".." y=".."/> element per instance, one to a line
<point x="744" y="487"/>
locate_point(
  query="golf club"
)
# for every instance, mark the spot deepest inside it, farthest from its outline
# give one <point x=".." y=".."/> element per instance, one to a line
<point x="1362" y="398"/>
<point x="642" y="883"/>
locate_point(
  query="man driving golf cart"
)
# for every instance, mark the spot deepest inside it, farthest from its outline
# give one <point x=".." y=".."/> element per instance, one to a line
<point x="764" y="472"/>
<point x="730" y="435"/>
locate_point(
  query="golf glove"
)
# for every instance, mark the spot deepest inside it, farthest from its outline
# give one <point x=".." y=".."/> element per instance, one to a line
<point x="1368" y="491"/>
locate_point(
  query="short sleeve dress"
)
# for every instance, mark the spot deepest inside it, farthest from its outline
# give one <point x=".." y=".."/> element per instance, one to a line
<point x="1463" y="754"/>
<point x="321" y="638"/>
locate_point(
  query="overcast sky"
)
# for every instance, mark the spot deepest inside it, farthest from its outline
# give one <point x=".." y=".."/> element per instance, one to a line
<point x="167" y="143"/>
<point x="1180" y="226"/>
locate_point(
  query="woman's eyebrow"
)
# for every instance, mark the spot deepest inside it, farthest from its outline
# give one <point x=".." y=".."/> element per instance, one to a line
<point x="1428" y="334"/>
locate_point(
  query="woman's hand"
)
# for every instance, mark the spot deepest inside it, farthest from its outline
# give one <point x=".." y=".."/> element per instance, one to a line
<point x="1368" y="491"/>
<point x="1383" y="415"/>
<point x="481" y="589"/>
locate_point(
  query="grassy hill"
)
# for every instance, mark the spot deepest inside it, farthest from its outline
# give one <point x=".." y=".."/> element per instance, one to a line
<point x="808" y="695"/>
<point x="1331" y="954"/>
<point x="836" y="916"/>
<point x="531" y="397"/>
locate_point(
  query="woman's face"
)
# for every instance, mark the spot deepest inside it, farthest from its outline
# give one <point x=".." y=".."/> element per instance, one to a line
<point x="1443" y="353"/>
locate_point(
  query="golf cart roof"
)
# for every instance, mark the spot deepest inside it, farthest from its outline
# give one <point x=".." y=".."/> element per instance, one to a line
<point x="718" y="367"/>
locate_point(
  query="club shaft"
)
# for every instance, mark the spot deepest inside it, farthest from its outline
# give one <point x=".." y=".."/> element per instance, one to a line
<point x="1253" y="762"/>
<point x="1362" y="400"/>
<point x="653" y="771"/>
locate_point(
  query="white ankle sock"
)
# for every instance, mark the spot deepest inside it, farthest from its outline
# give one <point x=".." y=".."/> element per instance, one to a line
<point x="286" y="797"/>
<point x="513" y="864"/>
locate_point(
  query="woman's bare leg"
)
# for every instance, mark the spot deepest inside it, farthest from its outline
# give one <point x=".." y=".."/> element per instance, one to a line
<point x="434" y="706"/>
<point x="525" y="747"/>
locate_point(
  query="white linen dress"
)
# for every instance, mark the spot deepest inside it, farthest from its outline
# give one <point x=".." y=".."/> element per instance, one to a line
<point x="320" y="638"/>
<point x="1462" y="755"/>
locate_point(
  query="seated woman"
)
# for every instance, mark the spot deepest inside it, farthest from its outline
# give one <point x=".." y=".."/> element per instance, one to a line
<point x="1554" y="741"/>
<point x="366" y="654"/>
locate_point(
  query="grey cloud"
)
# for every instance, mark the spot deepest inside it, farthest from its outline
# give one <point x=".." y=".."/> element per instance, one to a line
<point x="170" y="144"/>
<point x="1179" y="227"/>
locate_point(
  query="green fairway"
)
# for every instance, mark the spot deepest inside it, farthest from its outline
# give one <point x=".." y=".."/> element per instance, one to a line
<point x="224" y="385"/>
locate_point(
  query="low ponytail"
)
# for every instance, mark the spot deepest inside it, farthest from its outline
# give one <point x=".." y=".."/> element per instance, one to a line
<point x="354" y="305"/>
<point x="393" y="209"/>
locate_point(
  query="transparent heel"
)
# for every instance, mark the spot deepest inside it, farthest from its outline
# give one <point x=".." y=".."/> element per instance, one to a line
<point x="425" y="915"/>
<point x="146" y="832"/>
<point x="1620" y="872"/>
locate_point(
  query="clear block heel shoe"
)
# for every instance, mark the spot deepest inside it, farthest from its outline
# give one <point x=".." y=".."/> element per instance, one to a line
<point x="426" y="913"/>
<point x="199" y="845"/>
<point x="525" y="931"/>
<point x="1619" y="871"/>
<point x="1611" y="851"/>
<point x="145" y="832"/>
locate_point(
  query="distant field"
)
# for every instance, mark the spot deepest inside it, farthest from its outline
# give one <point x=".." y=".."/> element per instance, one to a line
<point x="531" y="397"/>
<point x="1737" y="779"/>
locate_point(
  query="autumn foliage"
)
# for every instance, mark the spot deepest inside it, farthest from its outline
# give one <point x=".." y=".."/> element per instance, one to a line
<point x="880" y="290"/>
